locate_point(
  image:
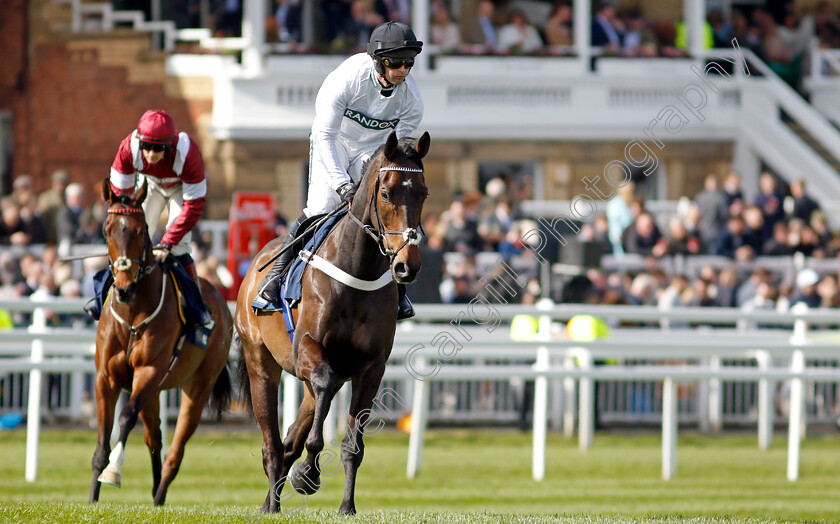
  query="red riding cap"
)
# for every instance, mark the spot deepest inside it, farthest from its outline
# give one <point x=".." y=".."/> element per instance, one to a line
<point x="156" y="126"/>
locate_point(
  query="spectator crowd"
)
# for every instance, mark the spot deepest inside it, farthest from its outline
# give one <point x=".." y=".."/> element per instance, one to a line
<point x="746" y="250"/>
<point x="777" y="32"/>
<point x="465" y="245"/>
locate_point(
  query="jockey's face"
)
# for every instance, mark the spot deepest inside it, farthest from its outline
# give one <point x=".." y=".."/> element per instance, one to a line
<point x="153" y="157"/>
<point x="397" y="75"/>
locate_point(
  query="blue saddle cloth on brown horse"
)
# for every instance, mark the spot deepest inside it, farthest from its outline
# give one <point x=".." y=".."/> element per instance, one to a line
<point x="293" y="280"/>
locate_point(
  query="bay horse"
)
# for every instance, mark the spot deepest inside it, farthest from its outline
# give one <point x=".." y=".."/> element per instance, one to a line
<point x="137" y="333"/>
<point x="342" y="333"/>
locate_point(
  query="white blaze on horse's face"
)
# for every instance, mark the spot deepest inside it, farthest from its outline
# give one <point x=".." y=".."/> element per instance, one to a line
<point x="401" y="196"/>
<point x="125" y="233"/>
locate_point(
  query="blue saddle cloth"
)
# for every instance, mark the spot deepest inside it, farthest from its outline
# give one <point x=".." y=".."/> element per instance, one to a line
<point x="292" y="282"/>
<point x="191" y="307"/>
<point x="294" y="278"/>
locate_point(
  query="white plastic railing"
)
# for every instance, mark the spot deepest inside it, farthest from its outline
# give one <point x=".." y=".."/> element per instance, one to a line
<point x="546" y="353"/>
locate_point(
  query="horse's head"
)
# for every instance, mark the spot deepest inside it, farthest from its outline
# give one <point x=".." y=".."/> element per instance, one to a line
<point x="129" y="245"/>
<point x="397" y="198"/>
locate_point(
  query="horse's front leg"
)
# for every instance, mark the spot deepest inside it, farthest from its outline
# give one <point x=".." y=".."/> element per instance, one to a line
<point x="365" y="388"/>
<point x="147" y="380"/>
<point x="106" y="401"/>
<point x="312" y="366"/>
<point x="150" y="415"/>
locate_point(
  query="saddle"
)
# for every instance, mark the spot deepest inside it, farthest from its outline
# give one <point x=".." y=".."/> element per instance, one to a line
<point x="291" y="285"/>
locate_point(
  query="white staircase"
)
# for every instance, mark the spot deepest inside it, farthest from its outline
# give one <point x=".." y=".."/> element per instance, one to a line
<point x="786" y="152"/>
<point x="101" y="16"/>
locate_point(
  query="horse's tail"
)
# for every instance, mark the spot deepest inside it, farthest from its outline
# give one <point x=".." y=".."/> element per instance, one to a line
<point x="244" y="381"/>
<point x="222" y="393"/>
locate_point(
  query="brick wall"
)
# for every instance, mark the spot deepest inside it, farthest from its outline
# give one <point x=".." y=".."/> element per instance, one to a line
<point x="81" y="96"/>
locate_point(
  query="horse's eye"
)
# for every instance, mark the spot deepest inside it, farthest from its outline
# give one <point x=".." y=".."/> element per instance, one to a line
<point x="384" y="195"/>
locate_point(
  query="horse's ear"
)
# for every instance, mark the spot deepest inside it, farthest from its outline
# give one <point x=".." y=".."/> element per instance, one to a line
<point x="107" y="193"/>
<point x="140" y="194"/>
<point x="423" y="144"/>
<point x="391" y="145"/>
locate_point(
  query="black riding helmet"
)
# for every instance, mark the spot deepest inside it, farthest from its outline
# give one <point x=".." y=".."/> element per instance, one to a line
<point x="394" y="40"/>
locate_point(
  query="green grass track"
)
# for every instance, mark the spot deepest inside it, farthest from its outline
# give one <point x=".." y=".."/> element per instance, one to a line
<point x="468" y="477"/>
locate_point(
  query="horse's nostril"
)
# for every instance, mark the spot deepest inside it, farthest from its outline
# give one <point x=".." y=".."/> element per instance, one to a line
<point x="401" y="269"/>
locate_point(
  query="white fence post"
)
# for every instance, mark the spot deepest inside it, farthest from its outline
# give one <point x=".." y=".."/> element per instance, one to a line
<point x="77" y="393"/>
<point x="330" y="421"/>
<point x="419" y="414"/>
<point x="290" y="402"/>
<point x="540" y="402"/>
<point x="796" y="416"/>
<point x="342" y="407"/>
<point x="715" y="398"/>
<point x="164" y="406"/>
<point x="703" y="398"/>
<point x="765" y="402"/>
<point x="33" y="414"/>
<point x="670" y="417"/>
<point x="586" y="410"/>
<point x="569" y="398"/>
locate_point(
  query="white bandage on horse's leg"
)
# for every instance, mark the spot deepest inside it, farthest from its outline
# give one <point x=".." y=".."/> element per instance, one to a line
<point x="112" y="473"/>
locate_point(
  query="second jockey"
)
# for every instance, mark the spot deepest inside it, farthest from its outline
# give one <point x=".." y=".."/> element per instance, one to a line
<point x="174" y="169"/>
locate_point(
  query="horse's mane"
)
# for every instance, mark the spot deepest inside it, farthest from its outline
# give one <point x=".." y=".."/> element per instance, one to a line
<point x="406" y="146"/>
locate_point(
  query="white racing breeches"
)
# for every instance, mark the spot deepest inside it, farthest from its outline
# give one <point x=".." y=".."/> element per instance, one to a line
<point x="157" y="198"/>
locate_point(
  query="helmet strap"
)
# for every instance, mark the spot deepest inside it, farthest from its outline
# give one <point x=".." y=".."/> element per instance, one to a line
<point x="379" y="67"/>
<point x="380" y="78"/>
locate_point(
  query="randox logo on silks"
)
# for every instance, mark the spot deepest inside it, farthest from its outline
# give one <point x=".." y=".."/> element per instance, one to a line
<point x="368" y="122"/>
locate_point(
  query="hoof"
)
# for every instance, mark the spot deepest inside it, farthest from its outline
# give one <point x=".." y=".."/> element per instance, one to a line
<point x="302" y="484"/>
<point x="349" y="510"/>
<point x="110" y="477"/>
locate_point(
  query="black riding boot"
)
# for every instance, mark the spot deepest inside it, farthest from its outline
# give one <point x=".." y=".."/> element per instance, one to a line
<point x="189" y="266"/>
<point x="405" y="309"/>
<point x="270" y="287"/>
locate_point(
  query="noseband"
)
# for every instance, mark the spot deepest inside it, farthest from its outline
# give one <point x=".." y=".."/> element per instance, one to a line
<point x="411" y="236"/>
<point x="123" y="263"/>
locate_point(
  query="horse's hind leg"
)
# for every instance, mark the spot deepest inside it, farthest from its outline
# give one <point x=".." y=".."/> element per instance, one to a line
<point x="365" y="388"/>
<point x="264" y="374"/>
<point x="106" y="401"/>
<point x="321" y="379"/>
<point x="194" y="397"/>
<point x="150" y="415"/>
<point x="147" y="379"/>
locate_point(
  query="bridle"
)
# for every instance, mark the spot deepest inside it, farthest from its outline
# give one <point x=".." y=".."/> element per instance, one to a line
<point x="411" y="236"/>
<point x="125" y="264"/>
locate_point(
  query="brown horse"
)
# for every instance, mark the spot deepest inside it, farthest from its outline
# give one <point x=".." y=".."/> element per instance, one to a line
<point x="137" y="333"/>
<point x="342" y="333"/>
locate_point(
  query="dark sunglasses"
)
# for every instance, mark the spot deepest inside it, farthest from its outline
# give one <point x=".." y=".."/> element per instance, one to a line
<point x="396" y="63"/>
<point x="157" y="148"/>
